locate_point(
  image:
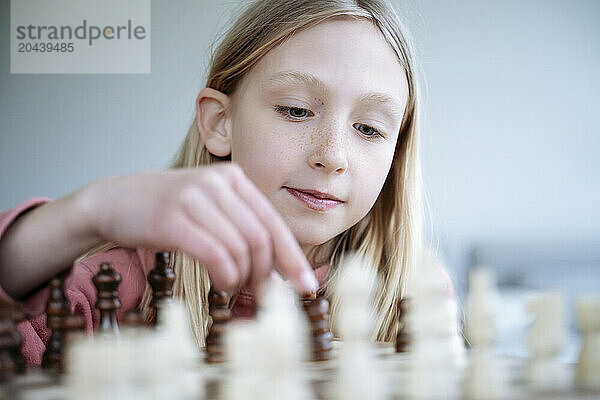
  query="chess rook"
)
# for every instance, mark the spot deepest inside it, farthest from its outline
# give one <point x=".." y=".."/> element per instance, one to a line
<point x="218" y="309"/>
<point x="161" y="279"/>
<point x="107" y="281"/>
<point x="317" y="311"/>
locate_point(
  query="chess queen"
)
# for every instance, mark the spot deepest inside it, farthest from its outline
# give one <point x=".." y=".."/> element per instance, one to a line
<point x="304" y="147"/>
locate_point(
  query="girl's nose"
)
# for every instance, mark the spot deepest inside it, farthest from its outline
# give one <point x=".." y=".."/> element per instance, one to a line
<point x="330" y="154"/>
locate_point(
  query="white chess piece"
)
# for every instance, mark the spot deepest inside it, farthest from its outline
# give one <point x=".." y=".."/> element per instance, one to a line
<point x="180" y="354"/>
<point x="359" y="374"/>
<point x="588" y="365"/>
<point x="243" y="378"/>
<point x="138" y="364"/>
<point x="547" y="336"/>
<point x="437" y="355"/>
<point x="265" y="356"/>
<point x="283" y="333"/>
<point x="486" y="378"/>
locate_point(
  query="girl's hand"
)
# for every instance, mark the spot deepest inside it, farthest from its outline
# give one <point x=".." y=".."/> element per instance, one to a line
<point x="213" y="213"/>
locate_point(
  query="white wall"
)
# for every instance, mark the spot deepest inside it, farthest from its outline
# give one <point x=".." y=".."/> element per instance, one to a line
<point x="511" y="134"/>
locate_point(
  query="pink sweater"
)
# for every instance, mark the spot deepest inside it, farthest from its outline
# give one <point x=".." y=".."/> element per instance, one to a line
<point x="132" y="264"/>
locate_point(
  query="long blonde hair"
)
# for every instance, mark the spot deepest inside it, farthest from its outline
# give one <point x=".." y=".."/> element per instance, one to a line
<point x="389" y="236"/>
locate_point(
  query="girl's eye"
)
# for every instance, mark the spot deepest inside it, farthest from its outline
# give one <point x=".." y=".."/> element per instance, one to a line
<point x="367" y="130"/>
<point x="294" y="112"/>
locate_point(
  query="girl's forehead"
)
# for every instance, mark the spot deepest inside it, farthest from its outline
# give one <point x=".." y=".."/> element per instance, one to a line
<point x="332" y="55"/>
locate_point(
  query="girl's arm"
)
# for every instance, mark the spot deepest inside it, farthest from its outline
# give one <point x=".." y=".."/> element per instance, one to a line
<point x="42" y="242"/>
<point x="214" y="213"/>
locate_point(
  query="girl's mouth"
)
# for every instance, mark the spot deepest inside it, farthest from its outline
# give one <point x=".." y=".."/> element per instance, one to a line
<point x="314" y="202"/>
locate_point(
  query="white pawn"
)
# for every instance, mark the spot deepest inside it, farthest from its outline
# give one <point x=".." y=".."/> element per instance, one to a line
<point x="486" y="378"/>
<point x="546" y="338"/>
<point x="181" y="358"/>
<point x="359" y="376"/>
<point x="243" y="380"/>
<point x="282" y="335"/>
<point x="436" y="352"/>
<point x="588" y="366"/>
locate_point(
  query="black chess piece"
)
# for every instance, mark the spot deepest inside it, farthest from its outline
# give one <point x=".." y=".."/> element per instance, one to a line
<point x="107" y="281"/>
<point x="316" y="308"/>
<point x="133" y="319"/>
<point x="161" y="279"/>
<point x="220" y="312"/>
<point x="57" y="309"/>
<point x="402" y="337"/>
<point x="10" y="343"/>
<point x="18" y="315"/>
<point x="61" y="323"/>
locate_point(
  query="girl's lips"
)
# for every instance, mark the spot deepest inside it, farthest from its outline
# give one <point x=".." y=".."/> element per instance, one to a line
<point x="313" y="202"/>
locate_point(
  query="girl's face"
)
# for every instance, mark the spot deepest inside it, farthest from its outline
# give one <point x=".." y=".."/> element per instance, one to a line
<point x="321" y="112"/>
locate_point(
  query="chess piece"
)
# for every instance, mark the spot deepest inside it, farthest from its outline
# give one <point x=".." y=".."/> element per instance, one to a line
<point x="547" y="336"/>
<point x="486" y="378"/>
<point x="10" y="343"/>
<point x="18" y="315"/>
<point x="588" y="365"/>
<point x="436" y="352"/>
<point x="161" y="279"/>
<point x="242" y="354"/>
<point x="316" y="309"/>
<point x="359" y="375"/>
<point x="57" y="309"/>
<point x="107" y="281"/>
<point x="218" y="309"/>
<point x="61" y="323"/>
<point x="265" y="355"/>
<point x="133" y="319"/>
<point x="142" y="364"/>
<point x="402" y="337"/>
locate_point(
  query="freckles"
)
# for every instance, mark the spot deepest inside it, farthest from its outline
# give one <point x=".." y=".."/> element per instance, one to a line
<point x="299" y="142"/>
<point x="316" y="136"/>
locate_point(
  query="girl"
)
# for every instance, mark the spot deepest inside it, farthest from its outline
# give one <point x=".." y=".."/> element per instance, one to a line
<point x="304" y="147"/>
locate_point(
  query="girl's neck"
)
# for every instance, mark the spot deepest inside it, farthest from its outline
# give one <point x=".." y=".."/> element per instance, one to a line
<point x="315" y="259"/>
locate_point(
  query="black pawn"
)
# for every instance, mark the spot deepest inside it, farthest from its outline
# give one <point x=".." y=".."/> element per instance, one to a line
<point x="402" y="337"/>
<point x="316" y="309"/>
<point x="161" y="279"/>
<point x="57" y="309"/>
<point x="10" y="343"/>
<point x="219" y="311"/>
<point x="133" y="319"/>
<point x="18" y="315"/>
<point x="107" y="281"/>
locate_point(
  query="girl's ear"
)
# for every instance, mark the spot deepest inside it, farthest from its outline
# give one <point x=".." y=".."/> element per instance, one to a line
<point x="213" y="120"/>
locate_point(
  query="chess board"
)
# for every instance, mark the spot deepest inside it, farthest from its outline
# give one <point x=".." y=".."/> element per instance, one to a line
<point x="162" y="362"/>
<point x="40" y="384"/>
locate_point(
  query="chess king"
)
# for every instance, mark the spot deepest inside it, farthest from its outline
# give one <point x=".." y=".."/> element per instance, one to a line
<point x="304" y="147"/>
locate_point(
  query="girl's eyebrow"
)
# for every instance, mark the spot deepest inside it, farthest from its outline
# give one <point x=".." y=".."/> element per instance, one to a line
<point x="296" y="78"/>
<point x="388" y="105"/>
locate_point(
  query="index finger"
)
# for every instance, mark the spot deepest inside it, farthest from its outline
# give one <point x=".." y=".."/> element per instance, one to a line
<point x="288" y="254"/>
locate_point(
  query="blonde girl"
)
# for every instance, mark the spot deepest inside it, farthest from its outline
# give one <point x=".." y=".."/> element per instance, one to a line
<point x="304" y="148"/>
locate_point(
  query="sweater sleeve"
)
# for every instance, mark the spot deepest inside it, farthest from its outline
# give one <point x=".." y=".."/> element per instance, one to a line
<point x="79" y="290"/>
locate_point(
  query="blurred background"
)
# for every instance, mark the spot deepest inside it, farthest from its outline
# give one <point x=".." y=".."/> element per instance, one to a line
<point x="510" y="131"/>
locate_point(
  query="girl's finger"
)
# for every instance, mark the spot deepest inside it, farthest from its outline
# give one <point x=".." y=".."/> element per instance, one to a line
<point x="251" y="228"/>
<point x="288" y="254"/>
<point x="201" y="245"/>
<point x="202" y="209"/>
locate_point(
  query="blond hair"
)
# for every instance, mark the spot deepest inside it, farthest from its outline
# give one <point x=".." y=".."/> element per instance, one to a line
<point x="389" y="236"/>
